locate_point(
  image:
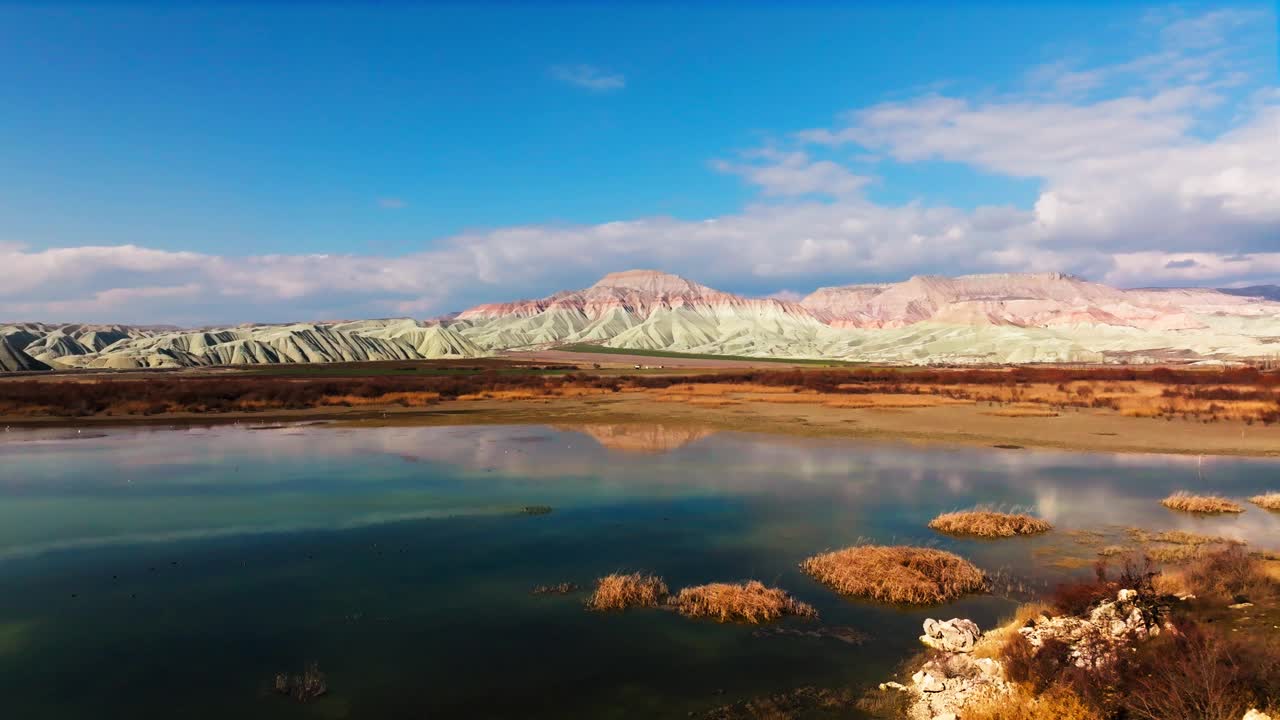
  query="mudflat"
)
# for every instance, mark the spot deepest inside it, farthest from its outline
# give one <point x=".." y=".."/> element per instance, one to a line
<point x="1070" y="429"/>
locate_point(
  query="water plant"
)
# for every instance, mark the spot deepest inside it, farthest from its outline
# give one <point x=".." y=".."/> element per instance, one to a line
<point x="563" y="588"/>
<point x="305" y="686"/>
<point x="1268" y="501"/>
<point x="750" y="602"/>
<point x="989" y="523"/>
<point x="620" y="591"/>
<point x="896" y="573"/>
<point x="1186" y="502"/>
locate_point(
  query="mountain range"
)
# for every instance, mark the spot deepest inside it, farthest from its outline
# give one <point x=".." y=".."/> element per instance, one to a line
<point x="996" y="318"/>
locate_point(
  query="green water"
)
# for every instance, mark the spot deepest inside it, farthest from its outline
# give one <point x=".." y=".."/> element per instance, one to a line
<point x="172" y="573"/>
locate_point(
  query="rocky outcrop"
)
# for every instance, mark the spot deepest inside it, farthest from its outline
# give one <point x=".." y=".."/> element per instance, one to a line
<point x="945" y="684"/>
<point x="1094" y="640"/>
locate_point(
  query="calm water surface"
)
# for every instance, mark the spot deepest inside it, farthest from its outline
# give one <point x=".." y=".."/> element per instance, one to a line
<point x="171" y="573"/>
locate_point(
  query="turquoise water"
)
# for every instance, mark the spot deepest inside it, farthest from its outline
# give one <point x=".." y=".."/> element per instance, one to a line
<point x="172" y="573"/>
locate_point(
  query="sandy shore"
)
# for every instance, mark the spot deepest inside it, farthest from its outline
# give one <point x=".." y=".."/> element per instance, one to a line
<point x="1071" y="429"/>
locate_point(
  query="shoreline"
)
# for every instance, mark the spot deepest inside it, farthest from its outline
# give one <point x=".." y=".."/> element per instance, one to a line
<point x="973" y="425"/>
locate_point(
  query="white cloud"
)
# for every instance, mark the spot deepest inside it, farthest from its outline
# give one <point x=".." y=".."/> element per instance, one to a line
<point x="391" y="203"/>
<point x="793" y="173"/>
<point x="589" y="77"/>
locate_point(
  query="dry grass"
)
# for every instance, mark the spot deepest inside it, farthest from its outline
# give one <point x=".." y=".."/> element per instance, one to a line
<point x="1022" y="412"/>
<point x="749" y="602"/>
<point x="1056" y="703"/>
<point x="859" y="402"/>
<point x="992" y="642"/>
<point x="619" y="592"/>
<point x="1180" y="537"/>
<point x="1186" y="502"/>
<point x="1230" y="572"/>
<point x="1174" y="547"/>
<point x="1110" y="551"/>
<point x="1179" y="554"/>
<point x="788" y="399"/>
<point x="713" y="402"/>
<point x="717" y="389"/>
<point x="406" y="399"/>
<point x="896" y="574"/>
<point x="506" y="395"/>
<point x="1268" y="501"/>
<point x="989" y="524"/>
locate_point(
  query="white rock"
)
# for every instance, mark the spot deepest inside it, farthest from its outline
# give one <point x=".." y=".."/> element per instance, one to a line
<point x="990" y="668"/>
<point x="926" y="682"/>
<point x="891" y="685"/>
<point x="954" y="635"/>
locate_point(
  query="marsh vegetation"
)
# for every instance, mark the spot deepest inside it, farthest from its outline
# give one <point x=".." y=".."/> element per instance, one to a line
<point x="1203" y="504"/>
<point x="619" y="591"/>
<point x="896" y="574"/>
<point x="1267" y="501"/>
<point x="750" y="602"/>
<point x="989" y="523"/>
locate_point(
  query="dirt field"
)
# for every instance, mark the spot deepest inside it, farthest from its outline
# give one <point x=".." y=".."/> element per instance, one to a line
<point x="954" y="423"/>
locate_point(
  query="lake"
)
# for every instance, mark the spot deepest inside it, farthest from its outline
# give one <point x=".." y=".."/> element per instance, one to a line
<point x="149" y="573"/>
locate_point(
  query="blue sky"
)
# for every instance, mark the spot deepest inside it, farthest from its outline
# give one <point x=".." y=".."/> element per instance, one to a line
<point x="497" y="150"/>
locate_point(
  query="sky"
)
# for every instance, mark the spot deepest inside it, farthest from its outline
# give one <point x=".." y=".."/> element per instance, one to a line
<point x="199" y="163"/>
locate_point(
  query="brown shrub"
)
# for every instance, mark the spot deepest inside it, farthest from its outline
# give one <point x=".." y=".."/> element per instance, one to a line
<point x="992" y="642"/>
<point x="989" y="524"/>
<point x="1179" y="554"/>
<point x="1268" y="501"/>
<point x="1186" y="502"/>
<point x="749" y="602"/>
<point x="1197" y="672"/>
<point x="897" y="574"/>
<point x="619" y="592"/>
<point x="1228" y="573"/>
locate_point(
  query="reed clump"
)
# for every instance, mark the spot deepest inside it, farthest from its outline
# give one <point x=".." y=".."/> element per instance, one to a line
<point x="1180" y="537"/>
<point x="563" y="588"/>
<point x="1186" y="502"/>
<point x="896" y="573"/>
<point x="989" y="524"/>
<point x="620" y="591"/>
<point x="303" y="687"/>
<point x="750" y="602"/>
<point x="1267" y="501"/>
